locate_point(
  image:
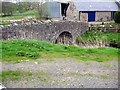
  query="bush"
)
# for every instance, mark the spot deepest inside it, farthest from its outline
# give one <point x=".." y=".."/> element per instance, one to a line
<point x="117" y="17"/>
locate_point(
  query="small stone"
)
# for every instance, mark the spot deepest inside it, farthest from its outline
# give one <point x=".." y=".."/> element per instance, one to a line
<point x="105" y="83"/>
<point x="68" y="77"/>
<point x="82" y="86"/>
<point x="36" y="62"/>
<point x="64" y="70"/>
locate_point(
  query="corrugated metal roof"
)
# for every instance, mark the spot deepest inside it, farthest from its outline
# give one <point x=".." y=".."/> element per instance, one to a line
<point x="96" y="6"/>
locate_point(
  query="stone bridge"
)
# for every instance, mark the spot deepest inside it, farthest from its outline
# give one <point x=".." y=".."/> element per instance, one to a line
<point x="56" y="32"/>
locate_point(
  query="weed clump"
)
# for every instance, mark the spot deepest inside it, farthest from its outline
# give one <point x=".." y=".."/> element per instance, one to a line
<point x="33" y="55"/>
<point x="14" y="75"/>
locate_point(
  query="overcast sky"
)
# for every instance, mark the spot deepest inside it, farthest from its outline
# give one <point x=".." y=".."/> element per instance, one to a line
<point x="62" y="0"/>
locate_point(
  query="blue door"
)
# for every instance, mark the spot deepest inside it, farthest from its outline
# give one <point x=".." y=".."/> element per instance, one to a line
<point x="91" y="16"/>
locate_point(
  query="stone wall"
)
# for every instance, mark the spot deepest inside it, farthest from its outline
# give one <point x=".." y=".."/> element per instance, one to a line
<point x="99" y="16"/>
<point x="72" y="13"/>
<point x="83" y="16"/>
<point x="103" y="16"/>
<point x="43" y="31"/>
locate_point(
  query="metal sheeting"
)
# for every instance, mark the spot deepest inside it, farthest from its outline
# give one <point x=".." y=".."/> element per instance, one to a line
<point x="96" y="6"/>
<point x="54" y="9"/>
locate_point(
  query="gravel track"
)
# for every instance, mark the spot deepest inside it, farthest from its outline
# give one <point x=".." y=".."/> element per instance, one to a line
<point x="65" y="73"/>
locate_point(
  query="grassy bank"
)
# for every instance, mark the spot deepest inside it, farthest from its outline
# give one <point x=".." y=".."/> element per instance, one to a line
<point x="96" y="37"/>
<point x="15" y="50"/>
<point x="17" y="16"/>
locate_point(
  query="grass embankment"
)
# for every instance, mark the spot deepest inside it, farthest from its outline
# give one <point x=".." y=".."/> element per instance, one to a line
<point x="99" y="38"/>
<point x="16" y="50"/>
<point x="17" y="16"/>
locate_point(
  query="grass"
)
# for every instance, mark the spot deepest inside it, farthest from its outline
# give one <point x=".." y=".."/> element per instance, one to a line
<point x="94" y="37"/>
<point x="104" y="76"/>
<point x="10" y="75"/>
<point x="14" y="75"/>
<point x="16" y="50"/>
<point x="106" y="66"/>
<point x="90" y="75"/>
<point x="20" y="15"/>
<point x="80" y="74"/>
<point x="17" y="16"/>
<point x="43" y="76"/>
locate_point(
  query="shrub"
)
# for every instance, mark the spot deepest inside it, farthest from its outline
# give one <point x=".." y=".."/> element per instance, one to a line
<point x="117" y="17"/>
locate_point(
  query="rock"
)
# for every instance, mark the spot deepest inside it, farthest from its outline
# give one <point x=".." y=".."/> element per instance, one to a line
<point x="105" y="83"/>
<point x="82" y="86"/>
<point x="36" y="62"/>
<point x="15" y="24"/>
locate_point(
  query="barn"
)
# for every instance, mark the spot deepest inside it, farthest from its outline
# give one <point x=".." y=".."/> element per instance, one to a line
<point x="55" y="9"/>
<point x="96" y="11"/>
<point x="82" y="11"/>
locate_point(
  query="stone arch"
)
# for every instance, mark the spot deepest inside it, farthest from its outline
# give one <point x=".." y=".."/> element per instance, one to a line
<point x="64" y="37"/>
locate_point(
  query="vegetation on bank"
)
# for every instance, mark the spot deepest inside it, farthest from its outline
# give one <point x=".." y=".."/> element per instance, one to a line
<point x="96" y="37"/>
<point x="16" y="50"/>
<point x="18" y="16"/>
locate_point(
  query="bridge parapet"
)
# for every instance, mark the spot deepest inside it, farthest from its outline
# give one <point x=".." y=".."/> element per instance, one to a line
<point x="49" y="31"/>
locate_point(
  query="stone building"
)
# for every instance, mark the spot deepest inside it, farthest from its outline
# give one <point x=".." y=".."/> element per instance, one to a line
<point x="82" y="11"/>
<point x="96" y="11"/>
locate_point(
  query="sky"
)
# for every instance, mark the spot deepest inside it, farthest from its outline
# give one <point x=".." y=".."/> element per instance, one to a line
<point x="63" y="0"/>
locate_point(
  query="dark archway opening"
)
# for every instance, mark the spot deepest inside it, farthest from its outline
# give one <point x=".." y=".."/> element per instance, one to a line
<point x="64" y="38"/>
<point x="64" y="7"/>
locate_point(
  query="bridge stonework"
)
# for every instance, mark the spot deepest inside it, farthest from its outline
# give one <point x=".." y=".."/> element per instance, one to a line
<point x="49" y="31"/>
